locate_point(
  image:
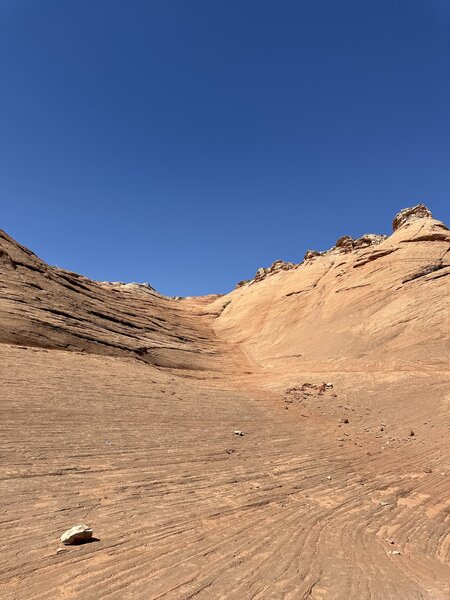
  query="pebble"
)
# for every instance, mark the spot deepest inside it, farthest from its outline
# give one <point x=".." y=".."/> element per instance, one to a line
<point x="238" y="432"/>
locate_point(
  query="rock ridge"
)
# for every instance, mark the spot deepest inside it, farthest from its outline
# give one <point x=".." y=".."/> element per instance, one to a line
<point x="344" y="245"/>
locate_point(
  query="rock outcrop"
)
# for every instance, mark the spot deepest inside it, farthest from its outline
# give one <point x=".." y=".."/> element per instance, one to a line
<point x="344" y="244"/>
<point x="420" y="211"/>
<point x="276" y="267"/>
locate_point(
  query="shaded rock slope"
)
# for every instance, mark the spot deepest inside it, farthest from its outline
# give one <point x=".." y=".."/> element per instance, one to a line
<point x="119" y="407"/>
<point x="49" y="307"/>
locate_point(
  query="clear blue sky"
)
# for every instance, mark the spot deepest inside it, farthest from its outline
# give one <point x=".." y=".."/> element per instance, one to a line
<point x="189" y="142"/>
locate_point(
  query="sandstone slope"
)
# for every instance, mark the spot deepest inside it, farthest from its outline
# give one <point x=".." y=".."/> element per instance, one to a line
<point x="119" y="407"/>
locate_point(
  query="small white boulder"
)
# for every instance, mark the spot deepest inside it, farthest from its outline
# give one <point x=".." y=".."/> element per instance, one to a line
<point x="76" y="535"/>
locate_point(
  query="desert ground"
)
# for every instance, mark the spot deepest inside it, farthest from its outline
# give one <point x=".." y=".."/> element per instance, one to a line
<point x="120" y="406"/>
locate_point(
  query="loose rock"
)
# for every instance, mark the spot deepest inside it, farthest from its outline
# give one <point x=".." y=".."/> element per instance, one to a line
<point x="76" y="535"/>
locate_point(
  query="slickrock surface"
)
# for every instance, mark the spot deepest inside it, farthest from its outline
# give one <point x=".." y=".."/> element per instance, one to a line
<point x="120" y="406"/>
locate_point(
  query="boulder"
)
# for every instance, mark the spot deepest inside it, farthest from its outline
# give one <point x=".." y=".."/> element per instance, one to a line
<point x="76" y="535"/>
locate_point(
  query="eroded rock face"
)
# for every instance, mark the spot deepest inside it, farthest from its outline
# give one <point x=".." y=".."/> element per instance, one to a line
<point x="420" y="211"/>
<point x="146" y="287"/>
<point x="312" y="254"/>
<point x="76" y="535"/>
<point x="345" y="243"/>
<point x="242" y="283"/>
<point x="276" y="267"/>
<point x="368" y="239"/>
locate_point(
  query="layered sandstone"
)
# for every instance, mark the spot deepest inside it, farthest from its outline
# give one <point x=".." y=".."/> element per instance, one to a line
<point x="123" y="408"/>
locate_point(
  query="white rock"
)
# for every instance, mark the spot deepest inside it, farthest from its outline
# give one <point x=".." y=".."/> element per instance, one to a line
<point x="76" y="534"/>
<point x="238" y="432"/>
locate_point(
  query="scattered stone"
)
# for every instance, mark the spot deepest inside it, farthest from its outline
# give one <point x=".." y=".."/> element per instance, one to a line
<point x="76" y="535"/>
<point x="238" y="432"/>
<point x="329" y="477"/>
<point x="385" y="503"/>
<point x="61" y="550"/>
<point x="345" y="420"/>
<point x="395" y="552"/>
<point x="411" y="433"/>
<point x="427" y="469"/>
